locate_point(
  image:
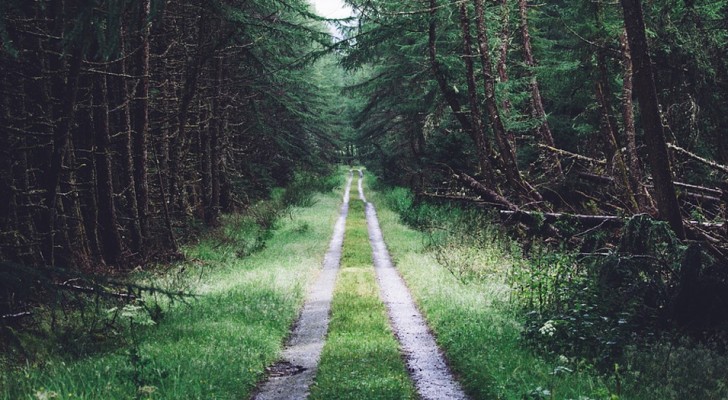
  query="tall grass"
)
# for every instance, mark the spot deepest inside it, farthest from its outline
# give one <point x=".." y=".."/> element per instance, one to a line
<point x="216" y="346"/>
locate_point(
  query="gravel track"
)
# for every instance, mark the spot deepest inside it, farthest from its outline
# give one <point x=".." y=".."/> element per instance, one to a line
<point x="425" y="362"/>
<point x="291" y="377"/>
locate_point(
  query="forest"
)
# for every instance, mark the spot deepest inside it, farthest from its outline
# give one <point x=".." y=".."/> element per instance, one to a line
<point x="584" y="142"/>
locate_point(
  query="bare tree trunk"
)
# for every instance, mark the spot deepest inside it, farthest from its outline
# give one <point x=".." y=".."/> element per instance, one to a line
<point x="108" y="225"/>
<point x="60" y="140"/>
<point x="127" y="156"/>
<point x="543" y="131"/>
<point x="615" y="154"/>
<point x="178" y="141"/>
<point x="84" y="144"/>
<point x="78" y="244"/>
<point x="141" y="122"/>
<point x="630" y="132"/>
<point x="216" y="125"/>
<point x="609" y="132"/>
<point x="206" y="164"/>
<point x="646" y="91"/>
<point x="505" y="37"/>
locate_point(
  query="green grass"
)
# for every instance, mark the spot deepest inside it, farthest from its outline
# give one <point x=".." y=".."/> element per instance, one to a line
<point x="361" y="358"/>
<point x="477" y="328"/>
<point x="218" y="346"/>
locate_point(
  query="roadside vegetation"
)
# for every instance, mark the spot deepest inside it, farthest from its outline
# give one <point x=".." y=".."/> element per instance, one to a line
<point x="361" y="358"/>
<point x="246" y="282"/>
<point x="527" y="321"/>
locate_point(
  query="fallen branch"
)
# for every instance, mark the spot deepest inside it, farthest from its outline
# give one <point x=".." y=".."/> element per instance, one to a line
<point x="16" y="315"/>
<point x="488" y="195"/>
<point x="584" y="219"/>
<point x="712" y="191"/>
<point x="696" y="157"/>
<point x="700" y="197"/>
<point x="708" y="194"/>
<point x="571" y="155"/>
<point x="590" y="220"/>
<point x="464" y="199"/>
<point x="93" y="290"/>
<point x="606" y="179"/>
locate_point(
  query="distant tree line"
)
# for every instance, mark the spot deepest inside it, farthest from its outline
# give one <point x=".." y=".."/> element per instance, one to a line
<point x="122" y="122"/>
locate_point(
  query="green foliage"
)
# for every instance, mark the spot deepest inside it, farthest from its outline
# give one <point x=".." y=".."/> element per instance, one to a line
<point x="300" y="192"/>
<point x="235" y="326"/>
<point x="605" y="319"/>
<point x="473" y="319"/>
<point x="681" y="370"/>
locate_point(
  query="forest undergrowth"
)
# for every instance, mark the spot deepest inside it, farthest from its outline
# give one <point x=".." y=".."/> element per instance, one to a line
<point x="541" y="320"/>
<point x="230" y="301"/>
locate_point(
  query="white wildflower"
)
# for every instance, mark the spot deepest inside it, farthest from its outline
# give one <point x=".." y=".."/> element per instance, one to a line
<point x="548" y="328"/>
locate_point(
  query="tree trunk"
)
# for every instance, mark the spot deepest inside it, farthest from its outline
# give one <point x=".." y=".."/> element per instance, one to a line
<point x="206" y="166"/>
<point x="505" y="37"/>
<point x="60" y="140"/>
<point x="609" y="132"/>
<point x="84" y="145"/>
<point x="78" y="249"/>
<point x="451" y="97"/>
<point x="507" y="154"/>
<point x="630" y="132"/>
<point x="108" y="227"/>
<point x="127" y="156"/>
<point x="141" y="122"/>
<point x="537" y="108"/>
<point x="178" y="142"/>
<point x="482" y="144"/>
<point x="646" y="91"/>
<point x="216" y="125"/>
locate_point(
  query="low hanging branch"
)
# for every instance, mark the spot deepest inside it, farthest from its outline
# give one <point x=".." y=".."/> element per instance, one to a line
<point x="695" y="157"/>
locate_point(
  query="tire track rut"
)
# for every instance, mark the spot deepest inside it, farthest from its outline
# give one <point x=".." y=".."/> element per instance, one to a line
<point x="425" y="362"/>
<point x="291" y="377"/>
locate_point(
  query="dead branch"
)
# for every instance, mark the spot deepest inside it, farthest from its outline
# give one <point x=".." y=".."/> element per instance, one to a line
<point x="93" y="290"/>
<point x="488" y="194"/>
<point x="571" y="155"/>
<point x="713" y="191"/>
<point x="584" y="219"/>
<point x="605" y="179"/>
<point x="16" y="315"/>
<point x="464" y="199"/>
<point x="695" y="157"/>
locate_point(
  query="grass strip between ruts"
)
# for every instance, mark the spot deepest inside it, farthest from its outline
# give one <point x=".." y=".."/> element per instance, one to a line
<point x="361" y="358"/>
